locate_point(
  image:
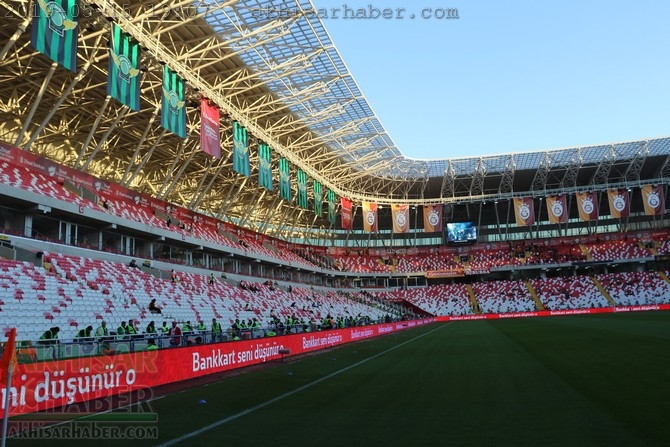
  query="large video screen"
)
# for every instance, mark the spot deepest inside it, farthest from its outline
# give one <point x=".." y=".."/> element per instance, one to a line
<point x="461" y="232"/>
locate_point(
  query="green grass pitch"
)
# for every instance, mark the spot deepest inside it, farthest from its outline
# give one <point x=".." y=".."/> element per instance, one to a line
<point x="562" y="381"/>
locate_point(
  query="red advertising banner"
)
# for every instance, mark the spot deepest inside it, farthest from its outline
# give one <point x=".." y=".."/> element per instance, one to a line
<point x="653" y="199"/>
<point x="347" y="220"/>
<point x="47" y="385"/>
<point x="432" y="218"/>
<point x="619" y="203"/>
<point x="524" y="211"/>
<point x="210" y="130"/>
<point x="558" y="212"/>
<point x="587" y="204"/>
<point x="553" y="313"/>
<point x="452" y="273"/>
<point x="370" y="217"/>
<point x="400" y="215"/>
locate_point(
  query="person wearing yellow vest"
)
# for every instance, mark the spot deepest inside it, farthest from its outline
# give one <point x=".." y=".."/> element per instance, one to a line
<point x="130" y="329"/>
<point x="217" y="332"/>
<point x="122" y="330"/>
<point x="50" y="336"/>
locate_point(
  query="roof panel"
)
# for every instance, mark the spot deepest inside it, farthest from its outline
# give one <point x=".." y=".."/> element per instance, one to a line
<point x="303" y="34"/>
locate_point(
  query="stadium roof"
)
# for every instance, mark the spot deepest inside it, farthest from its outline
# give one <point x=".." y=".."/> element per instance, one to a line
<point x="271" y="66"/>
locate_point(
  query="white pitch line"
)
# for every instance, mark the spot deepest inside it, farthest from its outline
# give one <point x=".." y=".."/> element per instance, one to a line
<point x="285" y="395"/>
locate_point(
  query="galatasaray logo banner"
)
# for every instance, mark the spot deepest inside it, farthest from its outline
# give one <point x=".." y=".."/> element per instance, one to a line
<point x="346" y="213"/>
<point x="524" y="211"/>
<point x="432" y="218"/>
<point x="400" y="218"/>
<point x="210" y="131"/>
<point x="558" y="212"/>
<point x="619" y="203"/>
<point x="370" y="217"/>
<point x="654" y="201"/>
<point x="587" y="204"/>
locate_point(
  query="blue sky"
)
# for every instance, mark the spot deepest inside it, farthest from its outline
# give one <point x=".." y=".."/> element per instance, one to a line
<point x="511" y="76"/>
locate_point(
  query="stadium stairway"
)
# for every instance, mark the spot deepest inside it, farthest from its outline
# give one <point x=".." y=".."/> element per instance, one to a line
<point x="664" y="276"/>
<point x="533" y="293"/>
<point x="652" y="250"/>
<point x="586" y="252"/>
<point x="600" y="287"/>
<point x="473" y="298"/>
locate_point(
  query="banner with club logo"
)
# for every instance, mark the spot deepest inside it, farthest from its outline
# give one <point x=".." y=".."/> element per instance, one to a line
<point x="653" y="199"/>
<point x="370" y="217"/>
<point x="55" y="30"/>
<point x="284" y="179"/>
<point x="173" y="108"/>
<point x="558" y="212"/>
<point x="400" y="215"/>
<point x="619" y="203"/>
<point x="124" y="76"/>
<point x="240" y="149"/>
<point x="347" y="218"/>
<point x="318" y="198"/>
<point x="587" y="204"/>
<point x="524" y="211"/>
<point x="432" y="218"/>
<point x="302" y="189"/>
<point x="265" y="166"/>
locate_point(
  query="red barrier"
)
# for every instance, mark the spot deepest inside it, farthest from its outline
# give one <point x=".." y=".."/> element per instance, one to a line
<point x="48" y="385"/>
<point x="552" y="313"/>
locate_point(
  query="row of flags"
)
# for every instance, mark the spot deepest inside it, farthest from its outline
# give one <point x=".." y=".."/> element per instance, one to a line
<point x="55" y="33"/>
<point x="524" y="210"/>
<point x="432" y="217"/>
<point x="587" y="205"/>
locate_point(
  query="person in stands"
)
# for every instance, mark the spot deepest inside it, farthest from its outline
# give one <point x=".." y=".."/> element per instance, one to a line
<point x="151" y="345"/>
<point x="102" y="333"/>
<point x="122" y="330"/>
<point x="153" y="308"/>
<point x="217" y="332"/>
<point x="151" y="328"/>
<point x="85" y="334"/>
<point x="131" y="329"/>
<point x="175" y="334"/>
<point x="50" y="336"/>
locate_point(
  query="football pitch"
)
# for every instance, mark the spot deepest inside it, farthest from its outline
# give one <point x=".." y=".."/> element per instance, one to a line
<point x="599" y="380"/>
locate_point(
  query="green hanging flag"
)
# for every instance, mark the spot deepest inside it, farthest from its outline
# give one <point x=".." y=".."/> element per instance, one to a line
<point x="173" y="110"/>
<point x="123" y="83"/>
<point x="55" y="31"/>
